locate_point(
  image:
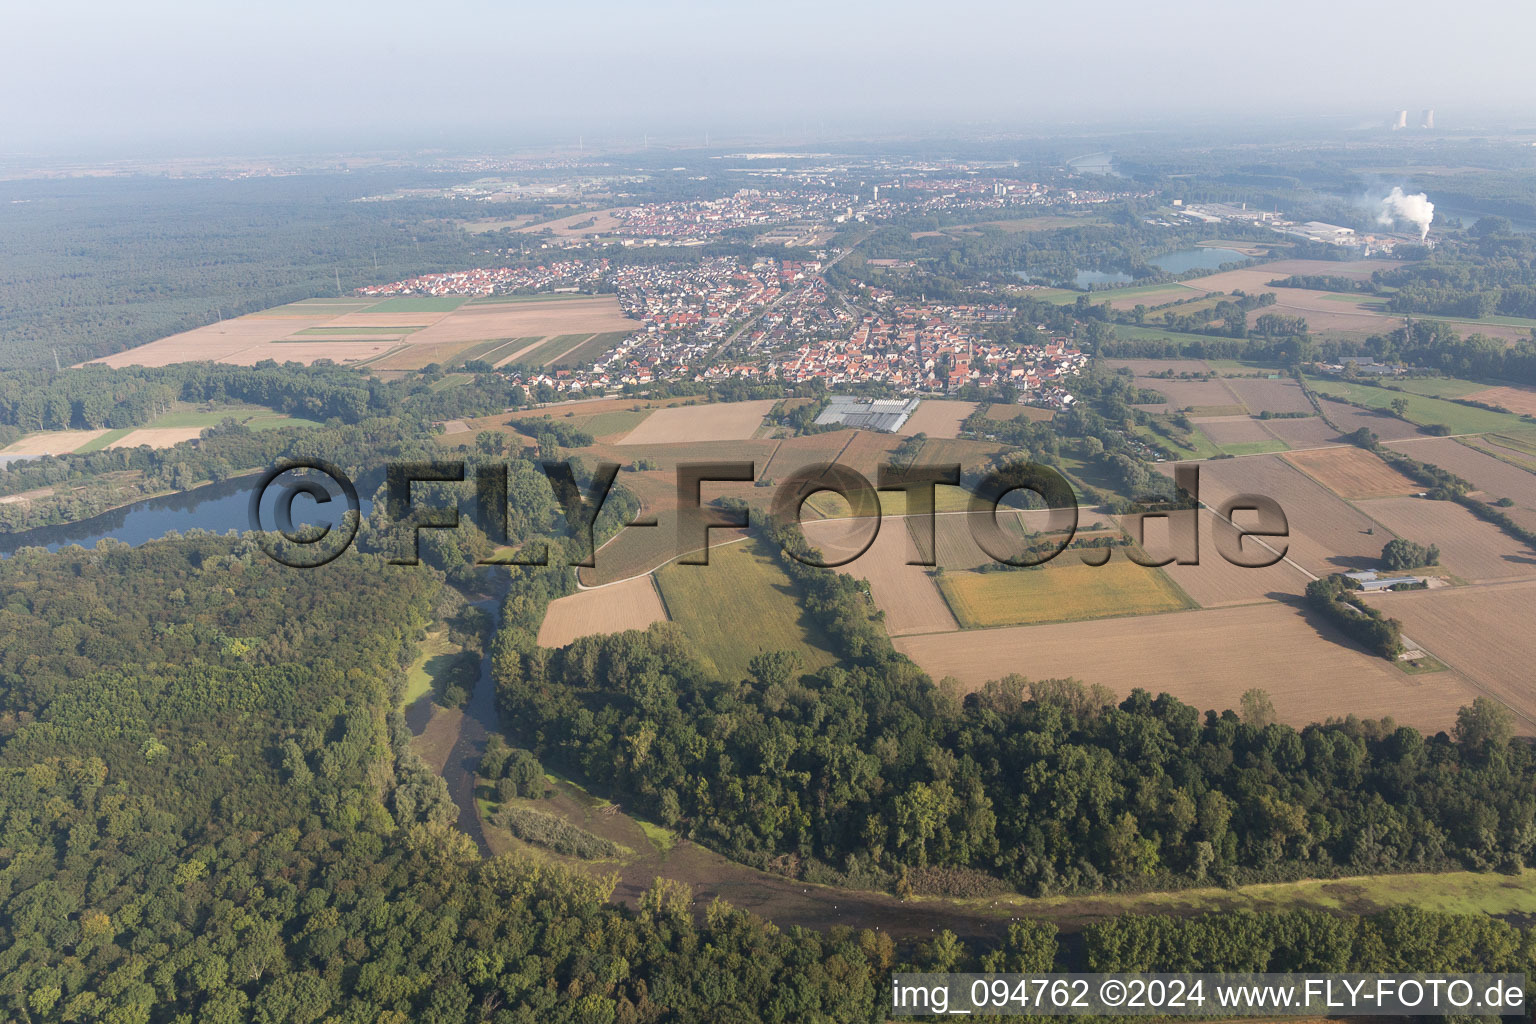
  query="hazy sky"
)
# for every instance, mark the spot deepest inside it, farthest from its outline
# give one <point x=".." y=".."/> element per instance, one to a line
<point x="189" y="74"/>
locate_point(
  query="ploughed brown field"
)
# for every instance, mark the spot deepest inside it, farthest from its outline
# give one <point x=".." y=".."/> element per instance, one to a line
<point x="1483" y="632"/>
<point x="1208" y="659"/>
<point x="1469" y="546"/>
<point x="633" y="604"/>
<point x="1326" y="533"/>
<point x="1384" y="425"/>
<point x="1493" y="477"/>
<point x="1304" y="432"/>
<point x="1215" y="582"/>
<point x="1270" y="395"/>
<point x="1233" y="429"/>
<point x="938" y="418"/>
<point x="1352" y="473"/>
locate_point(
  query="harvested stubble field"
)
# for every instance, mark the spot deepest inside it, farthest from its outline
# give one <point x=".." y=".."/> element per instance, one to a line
<point x="1468" y="546"/>
<point x="604" y="222"/>
<point x="1215" y="582"/>
<point x="938" y="418"/>
<point x="1458" y="624"/>
<point x="52" y="442"/>
<point x="738" y="606"/>
<point x="720" y="421"/>
<point x="1064" y="590"/>
<point x="423" y="330"/>
<point x="634" y="604"/>
<point x="1225" y="430"/>
<point x="157" y="437"/>
<point x="585" y="316"/>
<point x="905" y="593"/>
<point x="1269" y="395"/>
<point x="221" y="342"/>
<point x="1207" y="659"/>
<point x="1326" y="533"/>
<point x="1353" y="473"/>
<point x="1493" y="477"/>
<point x="1516" y="400"/>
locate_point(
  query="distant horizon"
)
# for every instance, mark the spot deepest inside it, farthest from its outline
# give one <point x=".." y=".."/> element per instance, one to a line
<point x="170" y="77"/>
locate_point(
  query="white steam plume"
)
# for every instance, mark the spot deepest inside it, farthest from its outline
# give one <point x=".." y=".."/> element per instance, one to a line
<point x="1416" y="210"/>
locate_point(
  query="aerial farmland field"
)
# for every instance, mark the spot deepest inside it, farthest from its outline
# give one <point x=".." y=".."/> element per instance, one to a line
<point x="1326" y="533"/>
<point x="1457" y="625"/>
<point x="1353" y="473"/>
<point x="1064" y="590"/>
<point x="738" y="606"/>
<point x="1205" y="658"/>
<point x="1468" y="546"/>
<point x="719" y="421"/>
<point x="403" y="333"/>
<point x="633" y="604"/>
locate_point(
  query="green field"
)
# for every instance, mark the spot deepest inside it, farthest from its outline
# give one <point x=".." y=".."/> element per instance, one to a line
<point x="419" y="304"/>
<point x="594" y="346"/>
<point x="552" y="348"/>
<point x="1255" y="447"/>
<point x="110" y="437"/>
<point x="1440" y="387"/>
<point x="1454" y="892"/>
<point x="1194" y="445"/>
<point x="741" y="604"/>
<point x="481" y="350"/>
<point x="1064" y="590"/>
<point x="1423" y="410"/>
<point x="253" y="416"/>
<point x="434" y="659"/>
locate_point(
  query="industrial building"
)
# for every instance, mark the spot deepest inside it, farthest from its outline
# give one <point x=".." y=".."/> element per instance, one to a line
<point x="867" y="414"/>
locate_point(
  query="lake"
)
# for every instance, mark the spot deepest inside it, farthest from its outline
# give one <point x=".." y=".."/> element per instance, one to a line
<point x="1201" y="257"/>
<point x="217" y="507"/>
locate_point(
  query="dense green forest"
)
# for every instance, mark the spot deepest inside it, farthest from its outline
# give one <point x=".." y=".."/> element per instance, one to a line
<point x="115" y="263"/>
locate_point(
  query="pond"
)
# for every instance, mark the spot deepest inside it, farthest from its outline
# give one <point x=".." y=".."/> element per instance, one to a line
<point x="1201" y="257"/>
<point x="217" y="507"/>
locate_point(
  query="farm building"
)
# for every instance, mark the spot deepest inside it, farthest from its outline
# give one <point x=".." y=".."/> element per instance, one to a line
<point x="867" y="414"/>
<point x="1371" y="582"/>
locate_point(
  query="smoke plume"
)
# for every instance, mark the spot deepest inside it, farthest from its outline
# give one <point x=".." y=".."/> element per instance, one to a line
<point x="1416" y="210"/>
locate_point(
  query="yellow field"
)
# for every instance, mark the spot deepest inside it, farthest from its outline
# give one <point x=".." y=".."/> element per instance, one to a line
<point x="1065" y="590"/>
